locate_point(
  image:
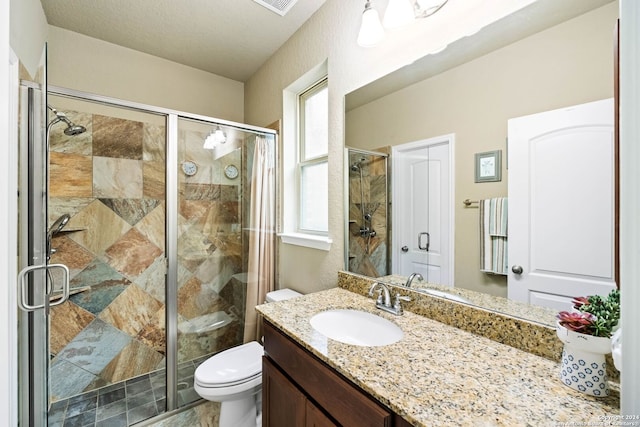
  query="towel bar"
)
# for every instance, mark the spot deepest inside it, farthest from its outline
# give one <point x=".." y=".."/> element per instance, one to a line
<point x="468" y="202"/>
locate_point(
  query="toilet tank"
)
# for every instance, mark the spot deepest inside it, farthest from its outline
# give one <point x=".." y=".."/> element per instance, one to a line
<point x="281" y="295"/>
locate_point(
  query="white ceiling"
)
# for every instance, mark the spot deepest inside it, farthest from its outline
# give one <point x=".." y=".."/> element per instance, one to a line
<point x="230" y="38"/>
<point x="529" y="20"/>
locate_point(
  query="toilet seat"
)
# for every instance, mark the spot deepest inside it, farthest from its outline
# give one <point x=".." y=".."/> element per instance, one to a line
<point x="235" y="366"/>
<point x="229" y="384"/>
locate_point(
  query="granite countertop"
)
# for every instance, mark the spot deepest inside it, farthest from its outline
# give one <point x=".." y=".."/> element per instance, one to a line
<point x="440" y="375"/>
<point x="543" y="315"/>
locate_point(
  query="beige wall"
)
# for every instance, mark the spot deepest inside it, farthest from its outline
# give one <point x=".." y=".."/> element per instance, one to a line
<point x="91" y="65"/>
<point x="569" y="64"/>
<point x="28" y="32"/>
<point x="331" y="35"/>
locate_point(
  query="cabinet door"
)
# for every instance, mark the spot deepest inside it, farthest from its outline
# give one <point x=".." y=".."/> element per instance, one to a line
<point x="339" y="398"/>
<point x="317" y="418"/>
<point x="283" y="405"/>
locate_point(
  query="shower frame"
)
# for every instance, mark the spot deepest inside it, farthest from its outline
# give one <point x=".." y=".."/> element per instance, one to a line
<point x="172" y="118"/>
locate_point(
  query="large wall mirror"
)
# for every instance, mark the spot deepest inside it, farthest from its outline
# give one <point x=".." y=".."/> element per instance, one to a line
<point x="549" y="55"/>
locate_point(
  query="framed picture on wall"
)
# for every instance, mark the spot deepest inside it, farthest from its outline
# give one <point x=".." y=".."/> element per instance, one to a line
<point x="489" y="166"/>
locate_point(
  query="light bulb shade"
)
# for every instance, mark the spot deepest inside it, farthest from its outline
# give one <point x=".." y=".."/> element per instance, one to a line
<point x="398" y="14"/>
<point x="219" y="136"/>
<point x="371" y="31"/>
<point x="209" y="142"/>
<point x="426" y="8"/>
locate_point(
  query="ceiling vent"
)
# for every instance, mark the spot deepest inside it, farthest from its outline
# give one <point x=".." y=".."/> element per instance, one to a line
<point x="281" y="7"/>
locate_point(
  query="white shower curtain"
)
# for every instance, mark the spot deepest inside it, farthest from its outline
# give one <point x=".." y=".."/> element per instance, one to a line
<point x="261" y="276"/>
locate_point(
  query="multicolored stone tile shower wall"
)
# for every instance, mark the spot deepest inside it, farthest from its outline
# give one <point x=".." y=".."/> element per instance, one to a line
<point x="368" y="256"/>
<point x="110" y="179"/>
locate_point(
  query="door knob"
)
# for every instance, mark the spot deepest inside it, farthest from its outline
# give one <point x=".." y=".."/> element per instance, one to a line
<point x="405" y="249"/>
<point x="517" y="269"/>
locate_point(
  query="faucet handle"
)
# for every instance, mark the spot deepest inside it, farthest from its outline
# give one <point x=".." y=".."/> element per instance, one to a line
<point x="372" y="289"/>
<point x="401" y="298"/>
<point x="397" y="306"/>
<point x="379" y="299"/>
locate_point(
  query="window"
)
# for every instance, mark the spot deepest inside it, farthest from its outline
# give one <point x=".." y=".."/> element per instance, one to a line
<point x="304" y="168"/>
<point x="312" y="169"/>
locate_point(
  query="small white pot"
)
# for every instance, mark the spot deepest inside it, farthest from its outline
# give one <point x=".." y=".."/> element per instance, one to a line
<point x="583" y="364"/>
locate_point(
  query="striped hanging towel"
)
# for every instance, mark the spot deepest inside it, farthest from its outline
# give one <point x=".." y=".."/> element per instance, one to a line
<point x="493" y="235"/>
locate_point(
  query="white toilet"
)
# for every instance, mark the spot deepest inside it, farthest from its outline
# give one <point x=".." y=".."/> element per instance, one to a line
<point x="234" y="378"/>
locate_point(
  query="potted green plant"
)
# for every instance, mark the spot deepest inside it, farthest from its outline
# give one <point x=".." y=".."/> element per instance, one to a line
<point x="586" y="333"/>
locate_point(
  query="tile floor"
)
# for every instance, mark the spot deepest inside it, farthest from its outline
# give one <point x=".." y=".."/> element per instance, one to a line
<point x="125" y="403"/>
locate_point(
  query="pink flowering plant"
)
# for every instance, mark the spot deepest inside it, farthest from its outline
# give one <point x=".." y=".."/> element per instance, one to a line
<point x="593" y="315"/>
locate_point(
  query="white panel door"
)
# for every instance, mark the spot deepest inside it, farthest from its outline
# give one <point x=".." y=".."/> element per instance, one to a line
<point x="421" y="211"/>
<point x="561" y="204"/>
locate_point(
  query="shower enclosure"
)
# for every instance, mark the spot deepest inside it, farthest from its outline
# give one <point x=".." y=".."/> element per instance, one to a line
<point x="153" y="230"/>
<point x="367" y="228"/>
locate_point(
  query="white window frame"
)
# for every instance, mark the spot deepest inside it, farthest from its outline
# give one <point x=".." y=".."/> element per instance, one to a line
<point x="289" y="177"/>
<point x="303" y="160"/>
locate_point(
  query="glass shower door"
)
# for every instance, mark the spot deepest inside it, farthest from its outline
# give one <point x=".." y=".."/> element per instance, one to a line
<point x="108" y="342"/>
<point x="33" y="292"/>
<point x="211" y="252"/>
<point x="92" y="200"/>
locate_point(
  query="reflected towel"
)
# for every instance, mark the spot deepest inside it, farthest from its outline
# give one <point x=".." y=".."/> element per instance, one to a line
<point x="493" y="235"/>
<point x="497" y="216"/>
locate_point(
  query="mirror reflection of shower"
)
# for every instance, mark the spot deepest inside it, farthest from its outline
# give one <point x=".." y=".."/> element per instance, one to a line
<point x="366" y="228"/>
<point x="367" y="234"/>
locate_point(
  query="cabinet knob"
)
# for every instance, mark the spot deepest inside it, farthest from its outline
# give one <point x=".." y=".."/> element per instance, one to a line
<point x="405" y="249"/>
<point x="517" y="269"/>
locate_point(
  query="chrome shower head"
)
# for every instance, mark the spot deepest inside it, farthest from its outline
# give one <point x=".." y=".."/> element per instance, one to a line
<point x="58" y="225"/>
<point x="357" y="163"/>
<point x="72" y="128"/>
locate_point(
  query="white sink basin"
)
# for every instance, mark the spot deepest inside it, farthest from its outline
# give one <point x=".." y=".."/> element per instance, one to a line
<point x="356" y="327"/>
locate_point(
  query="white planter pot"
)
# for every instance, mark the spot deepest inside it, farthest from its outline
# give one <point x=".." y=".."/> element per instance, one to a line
<point x="583" y="364"/>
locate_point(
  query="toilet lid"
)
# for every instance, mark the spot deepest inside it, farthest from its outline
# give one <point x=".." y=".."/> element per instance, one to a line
<point x="235" y="365"/>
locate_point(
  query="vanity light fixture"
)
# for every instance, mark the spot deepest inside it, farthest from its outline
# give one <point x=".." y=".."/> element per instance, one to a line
<point x="214" y="138"/>
<point x="371" y="31"/>
<point x="426" y="8"/>
<point x="397" y="14"/>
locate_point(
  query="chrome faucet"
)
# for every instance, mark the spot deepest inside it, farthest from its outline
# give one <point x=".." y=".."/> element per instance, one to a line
<point x="383" y="302"/>
<point x="387" y="296"/>
<point x="410" y="279"/>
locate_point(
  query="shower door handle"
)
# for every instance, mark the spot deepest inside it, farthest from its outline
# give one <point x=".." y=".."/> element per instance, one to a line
<point x="420" y="245"/>
<point x="23" y="285"/>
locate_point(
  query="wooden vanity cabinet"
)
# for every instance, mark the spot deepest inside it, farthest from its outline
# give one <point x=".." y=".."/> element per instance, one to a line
<point x="301" y="390"/>
<point x="285" y="405"/>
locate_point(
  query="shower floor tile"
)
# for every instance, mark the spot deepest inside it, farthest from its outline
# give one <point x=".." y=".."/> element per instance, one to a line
<point x="111" y="396"/>
<point x="111" y="410"/>
<point x="81" y="420"/>
<point x="122" y="404"/>
<point x="141" y="413"/>
<point x="116" y="421"/>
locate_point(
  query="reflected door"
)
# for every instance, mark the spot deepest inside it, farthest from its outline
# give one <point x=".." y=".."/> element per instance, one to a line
<point x="421" y="219"/>
<point x="561" y="207"/>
